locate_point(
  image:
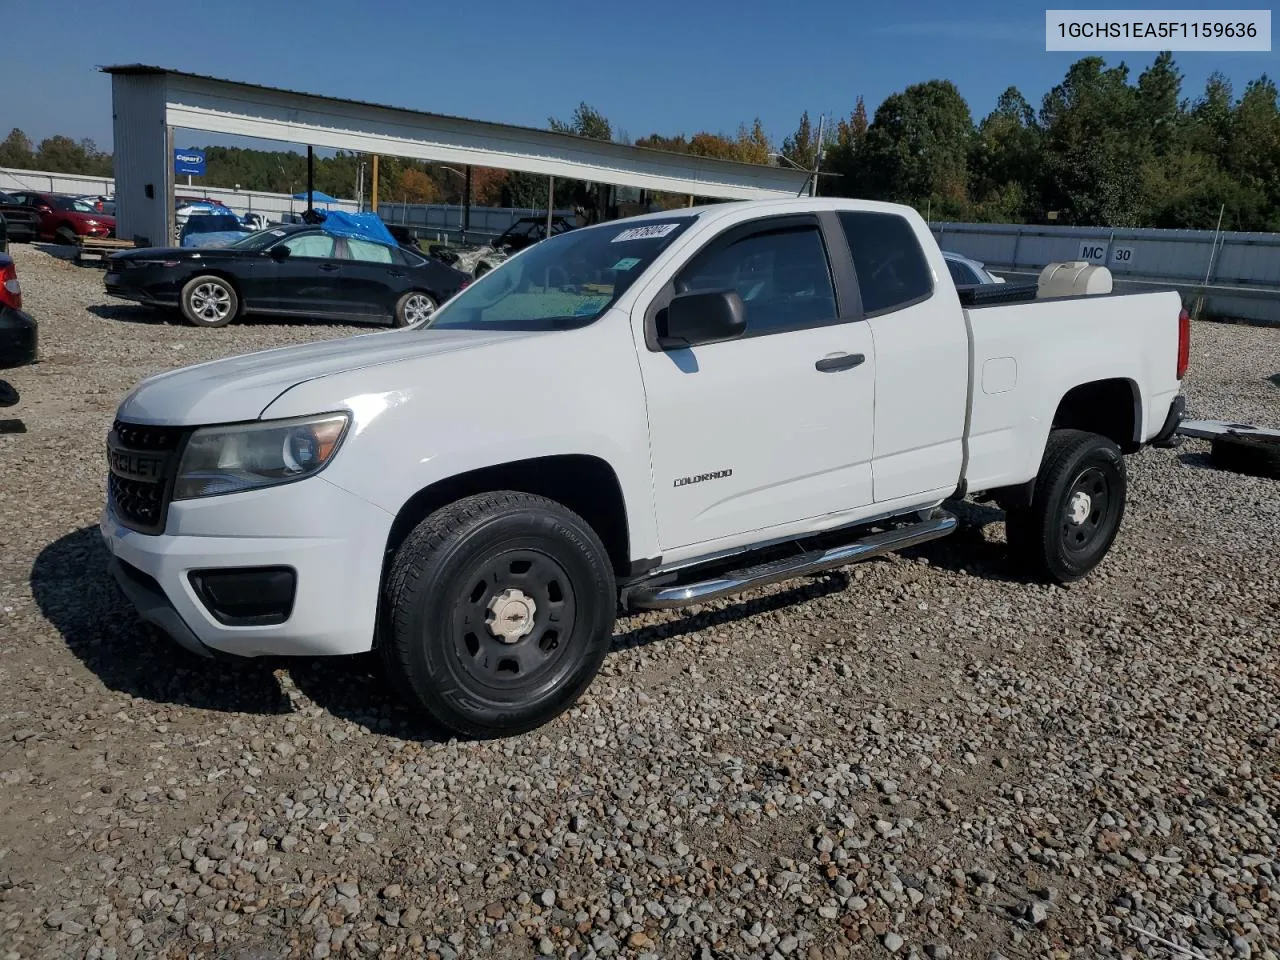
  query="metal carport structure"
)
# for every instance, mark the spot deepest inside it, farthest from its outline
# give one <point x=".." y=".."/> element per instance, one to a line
<point x="149" y="102"/>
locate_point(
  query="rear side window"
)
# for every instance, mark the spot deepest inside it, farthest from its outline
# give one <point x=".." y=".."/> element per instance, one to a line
<point x="368" y="251"/>
<point x="783" y="277"/>
<point x="891" y="268"/>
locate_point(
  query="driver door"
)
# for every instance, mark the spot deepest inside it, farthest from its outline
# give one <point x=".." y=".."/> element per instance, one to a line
<point x="773" y="428"/>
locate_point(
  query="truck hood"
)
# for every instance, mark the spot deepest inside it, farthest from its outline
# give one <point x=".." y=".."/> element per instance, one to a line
<point x="240" y="388"/>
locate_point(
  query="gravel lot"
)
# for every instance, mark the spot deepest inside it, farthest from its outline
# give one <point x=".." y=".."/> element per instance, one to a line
<point x="923" y="756"/>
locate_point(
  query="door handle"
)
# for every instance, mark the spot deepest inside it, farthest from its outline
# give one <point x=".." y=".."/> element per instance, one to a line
<point x="841" y="361"/>
<point x="329" y="267"/>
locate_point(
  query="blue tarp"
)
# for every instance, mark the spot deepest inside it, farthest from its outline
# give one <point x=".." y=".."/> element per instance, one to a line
<point x="364" y="226"/>
<point x="316" y="197"/>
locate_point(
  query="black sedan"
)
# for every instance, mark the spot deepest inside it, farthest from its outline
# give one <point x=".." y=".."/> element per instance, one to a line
<point x="296" y="270"/>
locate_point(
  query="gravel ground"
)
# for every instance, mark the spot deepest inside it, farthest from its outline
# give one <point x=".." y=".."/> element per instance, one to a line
<point x="924" y="756"/>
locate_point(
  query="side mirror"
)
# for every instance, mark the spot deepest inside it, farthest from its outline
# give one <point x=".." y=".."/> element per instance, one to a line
<point x="703" y="317"/>
<point x="279" y="253"/>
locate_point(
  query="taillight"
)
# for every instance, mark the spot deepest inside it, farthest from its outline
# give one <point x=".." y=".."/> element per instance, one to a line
<point x="1184" y="343"/>
<point x="10" y="288"/>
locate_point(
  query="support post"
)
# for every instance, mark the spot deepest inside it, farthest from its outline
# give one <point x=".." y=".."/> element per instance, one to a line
<point x="311" y="175"/>
<point x="170" y="211"/>
<point x="373" y="191"/>
<point x="466" y="203"/>
<point x="551" y="202"/>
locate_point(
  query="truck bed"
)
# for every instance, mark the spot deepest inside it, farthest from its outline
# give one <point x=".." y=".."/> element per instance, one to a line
<point x="1027" y="356"/>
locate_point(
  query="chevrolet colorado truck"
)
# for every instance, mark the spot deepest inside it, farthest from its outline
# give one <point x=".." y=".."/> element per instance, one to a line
<point x="648" y="413"/>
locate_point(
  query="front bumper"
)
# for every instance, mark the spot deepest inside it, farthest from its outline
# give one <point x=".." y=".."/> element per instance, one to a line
<point x="333" y="541"/>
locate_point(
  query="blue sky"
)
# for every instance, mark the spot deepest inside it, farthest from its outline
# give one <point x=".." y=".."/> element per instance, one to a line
<point x="661" y="66"/>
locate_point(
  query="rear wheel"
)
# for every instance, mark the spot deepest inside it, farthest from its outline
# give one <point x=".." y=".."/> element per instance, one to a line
<point x="414" y="307"/>
<point x="1076" y="511"/>
<point x="209" y="302"/>
<point x="500" y="612"/>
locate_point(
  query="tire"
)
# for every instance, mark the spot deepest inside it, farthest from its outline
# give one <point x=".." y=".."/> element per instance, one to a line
<point x="1076" y="511"/>
<point x="481" y="269"/>
<point x="414" y="307"/>
<point x="65" y="235"/>
<point x="209" y="301"/>
<point x="1257" y="456"/>
<point x="468" y="569"/>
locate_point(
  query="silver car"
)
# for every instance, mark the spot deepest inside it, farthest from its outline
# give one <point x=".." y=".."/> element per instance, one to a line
<point x="966" y="272"/>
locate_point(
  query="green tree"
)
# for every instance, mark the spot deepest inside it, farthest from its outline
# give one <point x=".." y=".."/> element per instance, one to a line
<point x="1094" y="148"/>
<point x="917" y="148"/>
<point x="801" y="148"/>
<point x="845" y="156"/>
<point x="1004" y="161"/>
<point x="15" y="151"/>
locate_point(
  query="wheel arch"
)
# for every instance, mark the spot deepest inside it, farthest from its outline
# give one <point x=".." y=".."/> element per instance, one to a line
<point x="584" y="483"/>
<point x="1110" y="407"/>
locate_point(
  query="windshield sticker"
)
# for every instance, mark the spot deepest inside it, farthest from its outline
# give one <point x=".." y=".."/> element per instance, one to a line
<point x="649" y="232"/>
<point x="626" y="263"/>
<point x="278" y="233"/>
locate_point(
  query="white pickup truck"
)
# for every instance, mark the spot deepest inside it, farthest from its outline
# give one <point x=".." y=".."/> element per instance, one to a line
<point x="648" y="413"/>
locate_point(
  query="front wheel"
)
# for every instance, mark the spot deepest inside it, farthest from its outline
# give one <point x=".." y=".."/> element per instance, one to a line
<point x="414" y="307"/>
<point x="1075" y="514"/>
<point x="500" y="611"/>
<point x="209" y="302"/>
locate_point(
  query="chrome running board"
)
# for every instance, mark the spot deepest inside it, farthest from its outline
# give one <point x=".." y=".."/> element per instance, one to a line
<point x="645" y="596"/>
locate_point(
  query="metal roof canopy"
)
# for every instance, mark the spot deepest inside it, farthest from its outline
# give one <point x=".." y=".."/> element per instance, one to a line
<point x="197" y="102"/>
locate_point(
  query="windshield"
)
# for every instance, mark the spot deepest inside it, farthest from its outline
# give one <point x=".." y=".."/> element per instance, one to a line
<point x="259" y="240"/>
<point x="565" y="282"/>
<point x="214" y="224"/>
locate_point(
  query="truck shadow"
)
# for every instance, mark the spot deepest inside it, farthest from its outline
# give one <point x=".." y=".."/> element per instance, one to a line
<point x="970" y="550"/>
<point x="74" y="592"/>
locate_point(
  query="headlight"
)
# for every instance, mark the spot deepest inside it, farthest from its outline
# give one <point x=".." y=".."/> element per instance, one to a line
<point x="248" y="456"/>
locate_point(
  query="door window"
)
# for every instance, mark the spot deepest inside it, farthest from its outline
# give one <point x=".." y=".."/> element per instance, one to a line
<point x="311" y="246"/>
<point x="782" y="276"/>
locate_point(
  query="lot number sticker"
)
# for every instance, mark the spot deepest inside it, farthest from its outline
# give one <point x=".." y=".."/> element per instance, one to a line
<point x="1122" y="256"/>
<point x="645" y="233"/>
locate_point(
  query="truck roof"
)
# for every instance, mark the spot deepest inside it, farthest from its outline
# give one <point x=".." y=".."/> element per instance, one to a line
<point x="779" y="204"/>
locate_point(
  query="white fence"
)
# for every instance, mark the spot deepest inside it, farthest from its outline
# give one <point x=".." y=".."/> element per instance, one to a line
<point x="242" y="201"/>
<point x="1238" y="273"/>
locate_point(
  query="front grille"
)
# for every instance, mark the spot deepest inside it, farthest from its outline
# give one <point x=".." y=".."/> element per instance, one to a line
<point x="143" y="461"/>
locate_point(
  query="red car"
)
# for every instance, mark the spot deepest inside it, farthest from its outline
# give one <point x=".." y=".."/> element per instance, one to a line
<point x="63" y="219"/>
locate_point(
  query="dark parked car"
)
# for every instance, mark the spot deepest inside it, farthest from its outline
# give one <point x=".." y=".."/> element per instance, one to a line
<point x="296" y="270"/>
<point x="63" y="219"/>
<point x="22" y="221"/>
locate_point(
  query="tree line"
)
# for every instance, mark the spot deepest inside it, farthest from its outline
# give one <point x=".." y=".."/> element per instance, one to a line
<point x="1101" y="150"/>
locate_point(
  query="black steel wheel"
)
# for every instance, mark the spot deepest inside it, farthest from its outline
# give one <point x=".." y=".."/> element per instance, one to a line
<point x="507" y="631"/>
<point x="499" y="611"/>
<point x="1076" y="511"/>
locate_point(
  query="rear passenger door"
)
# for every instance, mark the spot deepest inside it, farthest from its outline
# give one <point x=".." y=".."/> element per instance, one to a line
<point x="772" y="428"/>
<point x="373" y="275"/>
<point x="922" y="356"/>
